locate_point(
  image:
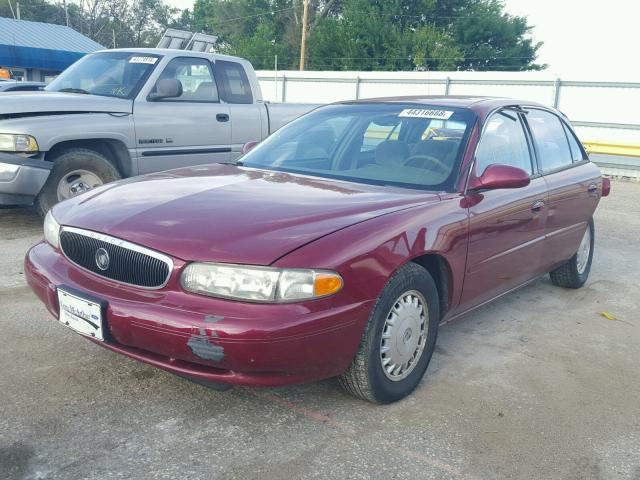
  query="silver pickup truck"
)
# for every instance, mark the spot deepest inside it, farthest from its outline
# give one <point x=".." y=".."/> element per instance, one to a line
<point x="119" y="113"/>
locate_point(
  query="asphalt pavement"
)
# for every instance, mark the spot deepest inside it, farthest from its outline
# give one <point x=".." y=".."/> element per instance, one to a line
<point x="537" y="385"/>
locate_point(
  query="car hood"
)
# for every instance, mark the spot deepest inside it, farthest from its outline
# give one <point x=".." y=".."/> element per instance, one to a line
<point x="25" y="103"/>
<point x="225" y="213"/>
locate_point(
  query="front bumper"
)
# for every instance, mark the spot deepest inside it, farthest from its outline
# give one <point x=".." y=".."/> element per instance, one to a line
<point x="208" y="339"/>
<point x="27" y="180"/>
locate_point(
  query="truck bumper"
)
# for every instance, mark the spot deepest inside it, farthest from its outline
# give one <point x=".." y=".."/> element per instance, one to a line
<point x="21" y="178"/>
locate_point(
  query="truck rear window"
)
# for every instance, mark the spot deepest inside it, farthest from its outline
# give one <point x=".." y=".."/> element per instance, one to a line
<point x="233" y="82"/>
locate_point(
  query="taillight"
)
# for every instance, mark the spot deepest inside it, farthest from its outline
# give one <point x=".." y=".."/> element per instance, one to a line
<point x="606" y="186"/>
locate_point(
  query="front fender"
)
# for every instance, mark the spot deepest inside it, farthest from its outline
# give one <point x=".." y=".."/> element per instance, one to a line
<point x="50" y="130"/>
<point x="368" y="253"/>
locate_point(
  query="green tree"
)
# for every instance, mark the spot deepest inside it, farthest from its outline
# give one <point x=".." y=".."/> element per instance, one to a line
<point x="373" y="34"/>
<point x="133" y="23"/>
<point x="492" y="40"/>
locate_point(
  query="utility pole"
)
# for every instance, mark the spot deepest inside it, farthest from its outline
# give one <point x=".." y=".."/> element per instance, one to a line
<point x="18" y="10"/>
<point x="113" y="31"/>
<point x="303" y="42"/>
<point x="66" y="12"/>
<point x="275" y="76"/>
<point x="12" y="12"/>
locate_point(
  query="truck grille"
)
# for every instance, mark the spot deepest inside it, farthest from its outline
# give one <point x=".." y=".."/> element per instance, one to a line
<point x="115" y="259"/>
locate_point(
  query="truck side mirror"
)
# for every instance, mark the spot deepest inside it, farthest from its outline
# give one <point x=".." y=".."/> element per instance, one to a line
<point x="166" y="88"/>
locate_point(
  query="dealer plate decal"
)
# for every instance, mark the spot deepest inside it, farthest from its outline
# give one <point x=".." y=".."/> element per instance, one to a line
<point x="149" y="60"/>
<point x="426" y="113"/>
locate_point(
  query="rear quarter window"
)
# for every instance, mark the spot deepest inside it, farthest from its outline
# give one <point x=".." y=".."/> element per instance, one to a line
<point x="233" y="82"/>
<point x="577" y="153"/>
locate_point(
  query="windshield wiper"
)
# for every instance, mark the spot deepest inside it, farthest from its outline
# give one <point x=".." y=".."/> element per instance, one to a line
<point x="237" y="163"/>
<point x="74" y="90"/>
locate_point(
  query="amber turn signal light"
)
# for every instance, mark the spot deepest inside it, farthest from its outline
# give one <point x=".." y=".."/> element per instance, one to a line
<point x="327" y="284"/>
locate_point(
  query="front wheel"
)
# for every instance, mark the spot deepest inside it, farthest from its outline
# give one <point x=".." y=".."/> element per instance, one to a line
<point x="75" y="171"/>
<point x="575" y="272"/>
<point x="399" y="339"/>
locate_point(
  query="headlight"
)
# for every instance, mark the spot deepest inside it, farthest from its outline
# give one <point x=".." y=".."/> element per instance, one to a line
<point x="259" y="284"/>
<point x="51" y="230"/>
<point x="18" y="143"/>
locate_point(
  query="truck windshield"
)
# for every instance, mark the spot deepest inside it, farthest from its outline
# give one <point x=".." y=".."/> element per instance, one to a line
<point x="109" y="74"/>
<point x="406" y="145"/>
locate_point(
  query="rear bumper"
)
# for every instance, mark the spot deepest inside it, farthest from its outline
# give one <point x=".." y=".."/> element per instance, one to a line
<point x="21" y="179"/>
<point x="210" y="339"/>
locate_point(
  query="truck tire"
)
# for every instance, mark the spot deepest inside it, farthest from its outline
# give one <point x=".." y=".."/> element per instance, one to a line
<point x="74" y="171"/>
<point x="575" y="272"/>
<point x="401" y="331"/>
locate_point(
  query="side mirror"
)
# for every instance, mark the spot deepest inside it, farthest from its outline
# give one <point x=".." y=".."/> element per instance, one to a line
<point x="166" y="88"/>
<point x="249" y="146"/>
<point x="500" y="176"/>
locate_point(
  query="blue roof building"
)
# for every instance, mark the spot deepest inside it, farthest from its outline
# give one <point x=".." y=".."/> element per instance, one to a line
<point x="38" y="51"/>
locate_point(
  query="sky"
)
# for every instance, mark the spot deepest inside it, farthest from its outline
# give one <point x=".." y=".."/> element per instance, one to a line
<point x="582" y="39"/>
<point x="585" y="39"/>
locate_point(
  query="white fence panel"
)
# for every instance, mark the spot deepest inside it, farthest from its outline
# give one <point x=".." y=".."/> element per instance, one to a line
<point x="603" y="112"/>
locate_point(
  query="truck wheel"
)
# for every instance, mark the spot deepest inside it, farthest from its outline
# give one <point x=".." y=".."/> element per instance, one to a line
<point x="398" y="340"/>
<point x="575" y="272"/>
<point x="75" y="171"/>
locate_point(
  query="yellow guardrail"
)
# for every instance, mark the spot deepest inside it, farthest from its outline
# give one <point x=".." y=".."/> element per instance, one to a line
<point x="604" y="148"/>
<point x="607" y="148"/>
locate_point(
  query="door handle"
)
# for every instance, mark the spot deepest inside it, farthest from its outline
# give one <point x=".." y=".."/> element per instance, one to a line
<point x="537" y="205"/>
<point x="592" y="188"/>
<point x="222" y="117"/>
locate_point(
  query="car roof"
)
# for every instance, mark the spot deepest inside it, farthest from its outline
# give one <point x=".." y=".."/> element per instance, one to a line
<point x="172" y="52"/>
<point x="479" y="104"/>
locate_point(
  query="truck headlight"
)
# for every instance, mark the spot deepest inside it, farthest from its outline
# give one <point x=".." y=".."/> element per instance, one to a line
<point x="51" y="230"/>
<point x="259" y="284"/>
<point x="10" y="142"/>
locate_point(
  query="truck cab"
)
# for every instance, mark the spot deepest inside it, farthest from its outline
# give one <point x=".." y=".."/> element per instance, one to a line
<point x="124" y="112"/>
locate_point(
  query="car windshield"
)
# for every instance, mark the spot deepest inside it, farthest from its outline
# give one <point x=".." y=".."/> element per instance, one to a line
<point x="405" y="145"/>
<point x="109" y="74"/>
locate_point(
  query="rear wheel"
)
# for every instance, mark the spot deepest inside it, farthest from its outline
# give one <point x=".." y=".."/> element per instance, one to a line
<point x="75" y="171"/>
<point x="399" y="339"/>
<point x="575" y="272"/>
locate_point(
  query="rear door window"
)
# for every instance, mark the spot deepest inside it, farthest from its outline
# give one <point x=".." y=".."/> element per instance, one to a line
<point x="550" y="139"/>
<point x="503" y="143"/>
<point x="234" y="84"/>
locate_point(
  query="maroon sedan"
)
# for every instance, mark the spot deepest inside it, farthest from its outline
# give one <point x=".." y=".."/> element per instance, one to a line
<point x="334" y="248"/>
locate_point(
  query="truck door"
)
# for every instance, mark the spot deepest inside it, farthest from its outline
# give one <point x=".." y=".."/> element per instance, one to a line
<point x="246" y="114"/>
<point x="193" y="127"/>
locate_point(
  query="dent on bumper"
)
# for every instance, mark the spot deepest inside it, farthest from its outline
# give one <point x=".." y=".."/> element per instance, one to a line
<point x="225" y="342"/>
<point x="22" y="180"/>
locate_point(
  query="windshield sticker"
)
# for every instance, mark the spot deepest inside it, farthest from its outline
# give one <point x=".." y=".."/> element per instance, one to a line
<point x="149" y="60"/>
<point x="426" y="113"/>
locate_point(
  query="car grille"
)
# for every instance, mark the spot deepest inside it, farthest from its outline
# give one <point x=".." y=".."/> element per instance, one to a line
<point x="126" y="262"/>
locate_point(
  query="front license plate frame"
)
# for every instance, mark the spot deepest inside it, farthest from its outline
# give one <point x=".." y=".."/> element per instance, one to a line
<point x="82" y="313"/>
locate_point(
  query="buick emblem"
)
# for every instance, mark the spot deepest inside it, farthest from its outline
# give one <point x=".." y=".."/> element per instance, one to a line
<point x="102" y="259"/>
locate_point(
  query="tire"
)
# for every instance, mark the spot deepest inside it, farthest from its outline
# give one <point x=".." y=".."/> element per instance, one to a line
<point x="365" y="377"/>
<point x="575" y="272"/>
<point x="94" y="167"/>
